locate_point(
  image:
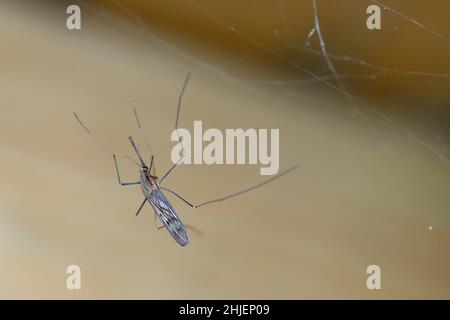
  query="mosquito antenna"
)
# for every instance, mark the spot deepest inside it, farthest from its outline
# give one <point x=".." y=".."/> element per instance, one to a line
<point x="137" y="152"/>
<point x="94" y="136"/>
<point x="248" y="189"/>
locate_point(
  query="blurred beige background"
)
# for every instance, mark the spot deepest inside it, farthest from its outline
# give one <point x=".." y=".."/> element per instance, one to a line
<point x="365" y="193"/>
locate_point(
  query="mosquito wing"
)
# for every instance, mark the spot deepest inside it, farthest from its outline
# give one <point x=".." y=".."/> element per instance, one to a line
<point x="168" y="216"/>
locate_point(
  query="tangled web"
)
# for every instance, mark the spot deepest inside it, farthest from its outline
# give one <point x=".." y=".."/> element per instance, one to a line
<point x="332" y="79"/>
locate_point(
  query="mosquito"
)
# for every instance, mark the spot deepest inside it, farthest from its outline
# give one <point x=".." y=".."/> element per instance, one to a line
<point x="152" y="187"/>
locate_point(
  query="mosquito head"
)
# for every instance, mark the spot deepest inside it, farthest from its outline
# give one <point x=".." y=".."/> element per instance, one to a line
<point x="144" y="169"/>
<point x="138" y="154"/>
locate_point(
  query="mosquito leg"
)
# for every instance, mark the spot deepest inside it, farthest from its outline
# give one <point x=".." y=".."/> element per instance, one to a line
<point x="157" y="228"/>
<point x="104" y="146"/>
<point x="256" y="186"/>
<point x="151" y="165"/>
<point x="180" y="98"/>
<point x="141" y="130"/>
<point x="233" y="194"/>
<point x="140" y="208"/>
<point x="118" y="175"/>
<point x="179" y="197"/>
<point x="170" y="170"/>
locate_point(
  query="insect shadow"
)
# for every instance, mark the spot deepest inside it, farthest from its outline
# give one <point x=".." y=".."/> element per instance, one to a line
<point x="151" y="185"/>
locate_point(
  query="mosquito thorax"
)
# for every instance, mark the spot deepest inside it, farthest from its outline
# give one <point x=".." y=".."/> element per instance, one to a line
<point x="153" y="181"/>
<point x="145" y="175"/>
